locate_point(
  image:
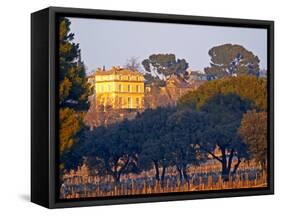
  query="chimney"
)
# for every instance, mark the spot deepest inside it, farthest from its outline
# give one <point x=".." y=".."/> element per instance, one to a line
<point x="103" y="68"/>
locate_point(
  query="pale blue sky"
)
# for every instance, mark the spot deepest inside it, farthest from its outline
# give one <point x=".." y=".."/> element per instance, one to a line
<point x="112" y="42"/>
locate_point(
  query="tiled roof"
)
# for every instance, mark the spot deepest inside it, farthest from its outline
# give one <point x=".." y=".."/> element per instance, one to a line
<point x="177" y="81"/>
<point x="117" y="70"/>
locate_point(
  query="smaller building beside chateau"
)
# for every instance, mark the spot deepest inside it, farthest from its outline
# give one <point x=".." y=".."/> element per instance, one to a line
<point x="119" y="88"/>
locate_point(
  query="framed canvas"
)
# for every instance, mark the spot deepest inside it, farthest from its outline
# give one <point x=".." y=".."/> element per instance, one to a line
<point x="139" y="107"/>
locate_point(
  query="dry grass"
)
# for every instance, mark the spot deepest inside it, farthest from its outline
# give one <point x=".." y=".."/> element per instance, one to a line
<point x="205" y="177"/>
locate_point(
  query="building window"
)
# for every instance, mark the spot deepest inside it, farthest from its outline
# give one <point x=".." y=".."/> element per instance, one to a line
<point x="137" y="88"/>
<point x="128" y="77"/>
<point x="129" y="102"/>
<point x="129" y="88"/>
<point x="137" y="102"/>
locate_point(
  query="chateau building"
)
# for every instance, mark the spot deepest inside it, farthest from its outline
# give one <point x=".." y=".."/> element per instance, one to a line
<point x="119" y="88"/>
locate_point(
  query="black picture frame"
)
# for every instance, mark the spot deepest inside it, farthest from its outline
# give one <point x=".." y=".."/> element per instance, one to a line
<point x="44" y="106"/>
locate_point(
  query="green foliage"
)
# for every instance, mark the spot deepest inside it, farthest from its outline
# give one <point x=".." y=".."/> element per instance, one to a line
<point x="73" y="90"/>
<point x="247" y="87"/>
<point x="206" y="119"/>
<point x="164" y="65"/>
<point x="229" y="59"/>
<point x="70" y="124"/>
<point x="253" y="131"/>
<point x="155" y="139"/>
<point x="146" y="65"/>
<point x="164" y="137"/>
<point x="222" y="117"/>
<point x="113" y="150"/>
<point x="183" y="136"/>
<point x="156" y="145"/>
<point x="222" y="104"/>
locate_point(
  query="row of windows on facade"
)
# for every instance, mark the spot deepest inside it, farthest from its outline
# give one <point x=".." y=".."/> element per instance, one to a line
<point x="120" y="89"/>
<point x="112" y="77"/>
<point x="122" y="102"/>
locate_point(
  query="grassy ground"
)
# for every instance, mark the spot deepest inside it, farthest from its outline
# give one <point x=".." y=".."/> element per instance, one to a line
<point x="204" y="177"/>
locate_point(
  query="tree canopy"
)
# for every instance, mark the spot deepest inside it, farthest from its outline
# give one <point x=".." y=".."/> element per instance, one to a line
<point x="156" y="143"/>
<point x="232" y="59"/>
<point x="253" y="130"/>
<point x="159" y="66"/>
<point x="247" y="87"/>
<point x="73" y="89"/>
<point x="222" y="118"/>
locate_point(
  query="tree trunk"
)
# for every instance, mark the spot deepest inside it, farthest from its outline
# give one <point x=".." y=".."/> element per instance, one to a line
<point x="116" y="177"/>
<point x="225" y="171"/>
<point x="185" y="175"/>
<point x="263" y="164"/>
<point x="230" y="161"/>
<point x="117" y="173"/>
<point x="233" y="173"/>
<point x="180" y="173"/>
<point x="163" y="176"/>
<point x="226" y="163"/>
<point x="156" y="167"/>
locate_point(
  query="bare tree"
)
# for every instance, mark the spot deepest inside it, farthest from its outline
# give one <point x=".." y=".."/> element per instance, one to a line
<point x="133" y="64"/>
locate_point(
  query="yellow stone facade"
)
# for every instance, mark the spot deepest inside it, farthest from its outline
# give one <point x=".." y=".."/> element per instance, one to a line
<point x="119" y="88"/>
